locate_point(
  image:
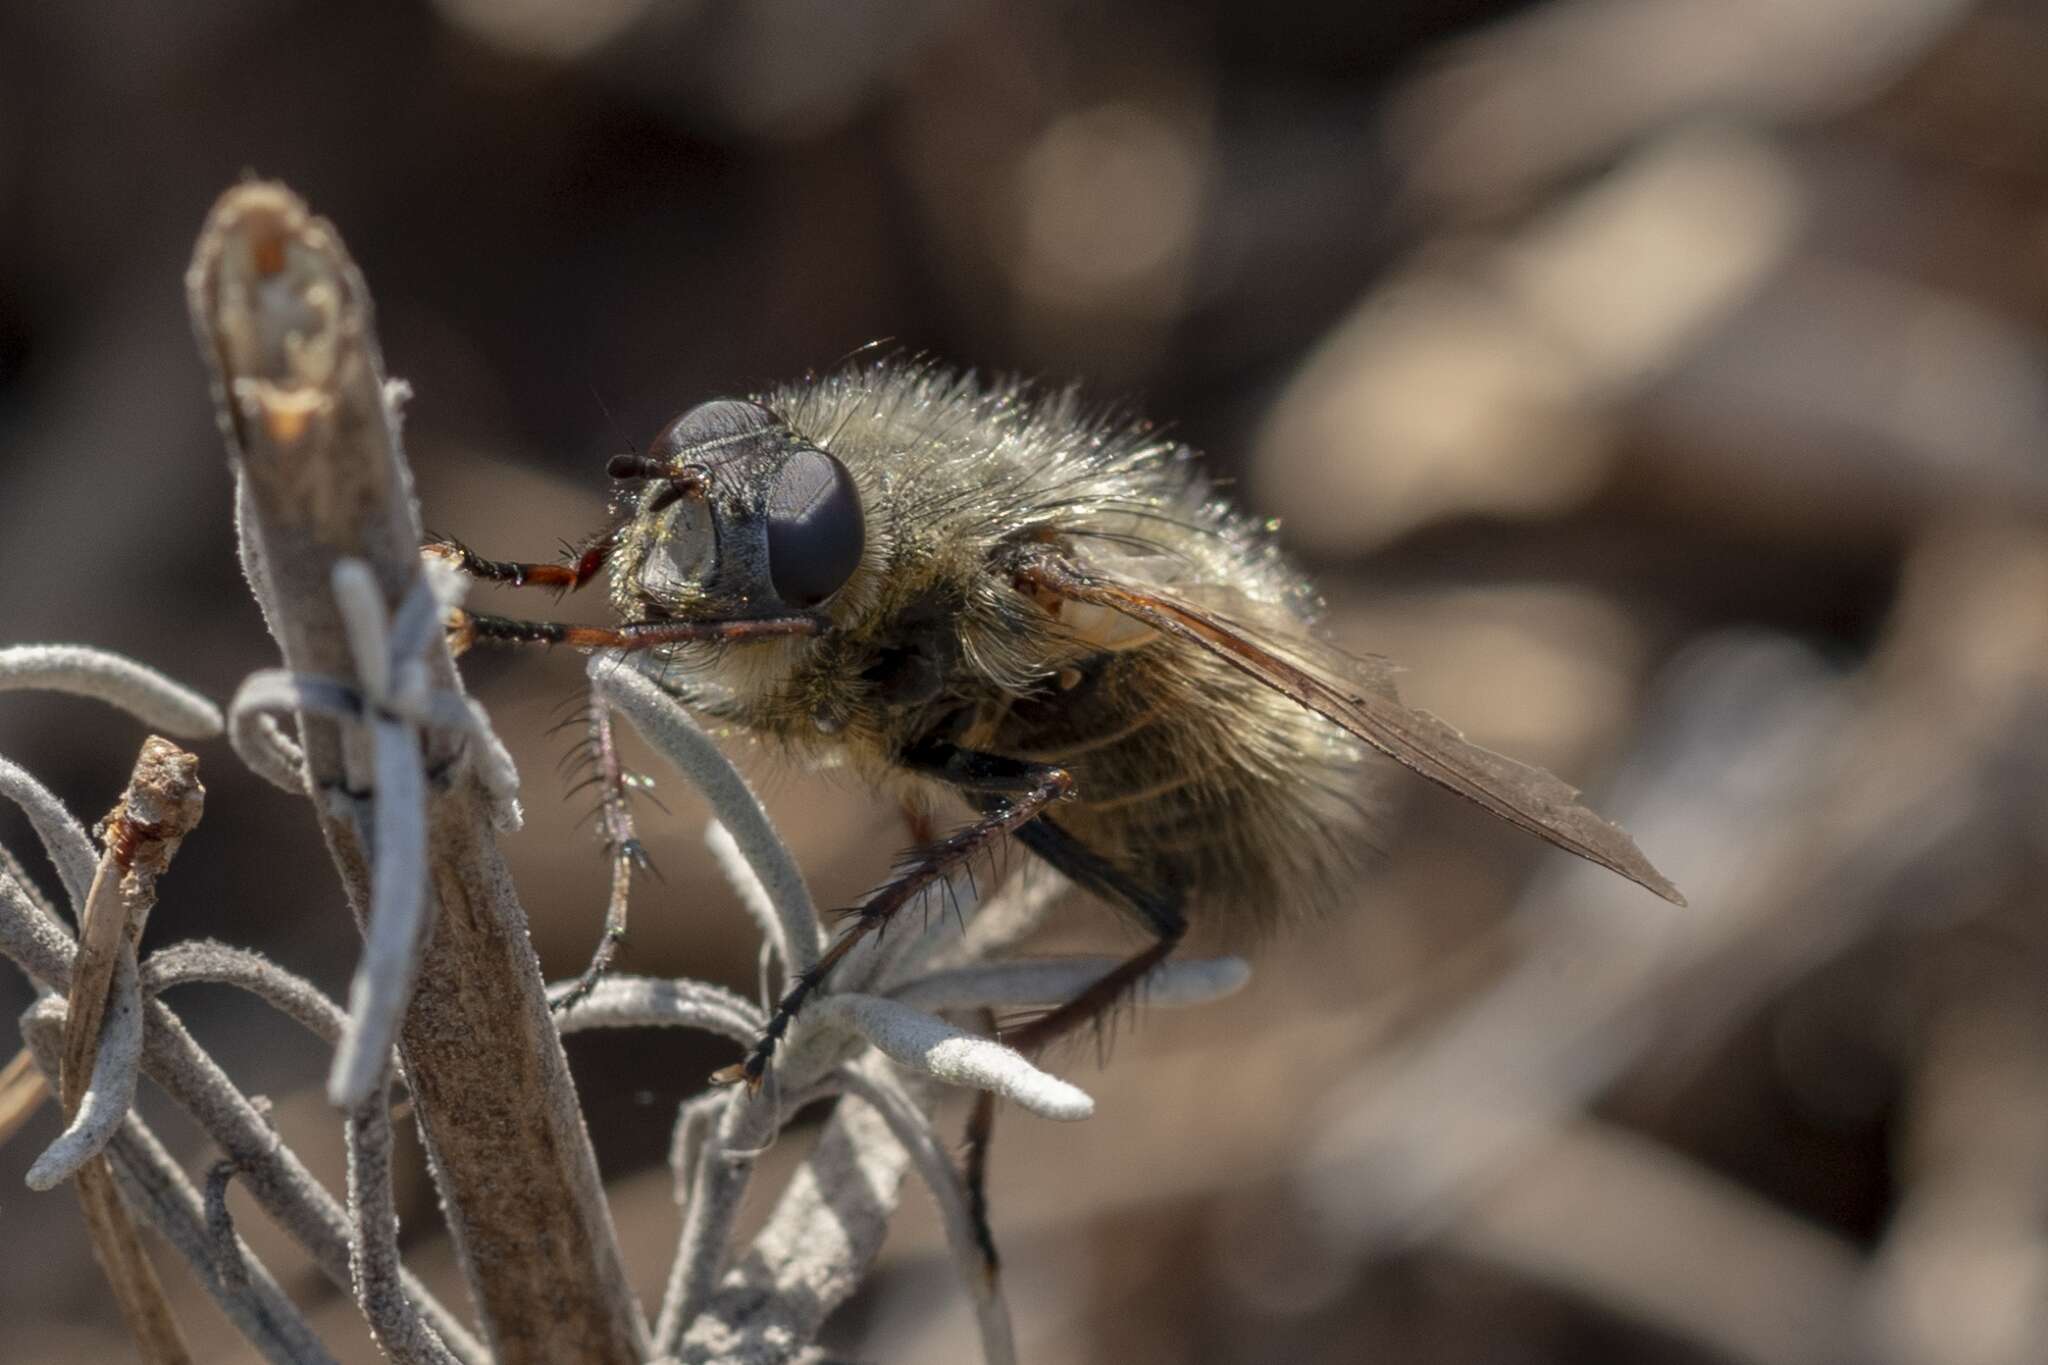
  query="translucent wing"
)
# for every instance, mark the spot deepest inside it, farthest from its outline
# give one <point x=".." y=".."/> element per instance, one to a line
<point x="1524" y="796"/>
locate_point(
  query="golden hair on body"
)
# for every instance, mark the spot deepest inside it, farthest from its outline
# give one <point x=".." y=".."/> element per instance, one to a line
<point x="951" y="585"/>
<point x="1185" y="776"/>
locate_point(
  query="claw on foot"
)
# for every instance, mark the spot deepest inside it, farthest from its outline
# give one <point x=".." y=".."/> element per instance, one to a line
<point x="737" y="1073"/>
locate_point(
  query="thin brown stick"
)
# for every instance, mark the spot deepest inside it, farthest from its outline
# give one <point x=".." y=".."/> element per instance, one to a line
<point x="162" y="804"/>
<point x="141" y="834"/>
<point x="23" y="1088"/>
<point x="22" y="1092"/>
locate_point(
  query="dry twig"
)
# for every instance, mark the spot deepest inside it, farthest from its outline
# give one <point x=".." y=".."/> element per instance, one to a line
<point x="162" y="804"/>
<point x="284" y="320"/>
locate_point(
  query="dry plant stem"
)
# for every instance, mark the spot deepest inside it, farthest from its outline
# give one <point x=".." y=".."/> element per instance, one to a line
<point x="227" y="1258"/>
<point x="283" y="318"/>
<point x="817" y="1246"/>
<point x="23" y="1088"/>
<point x="927" y="1044"/>
<point x="155" y="1185"/>
<point x="280" y="1183"/>
<point x="160" y="807"/>
<point x="162" y="804"/>
<point x="22" y="1092"/>
<point x="652" y="1002"/>
<point x="119" y="1249"/>
<point x="882" y="1091"/>
<point x="379" y="1290"/>
<point x="203" y="960"/>
<point x="252" y="1299"/>
<point x="725" y="1166"/>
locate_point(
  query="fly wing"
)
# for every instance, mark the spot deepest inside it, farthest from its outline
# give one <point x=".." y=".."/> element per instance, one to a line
<point x="1524" y="796"/>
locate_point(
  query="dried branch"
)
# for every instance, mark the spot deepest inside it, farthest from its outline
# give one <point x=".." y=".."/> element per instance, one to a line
<point x="227" y="1258"/>
<point x="397" y="926"/>
<point x="161" y="805"/>
<point x="110" y="1092"/>
<point x="725" y="1166"/>
<point x="380" y="1290"/>
<point x="283" y="319"/>
<point x="748" y="886"/>
<point x="824" y="1233"/>
<point x="884" y="1093"/>
<point x="22" y="1091"/>
<point x="202" y="960"/>
<point x="645" y="1002"/>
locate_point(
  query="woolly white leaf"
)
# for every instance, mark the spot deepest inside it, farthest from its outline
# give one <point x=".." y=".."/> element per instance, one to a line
<point x="110" y="1091"/>
<point x="663" y="722"/>
<point x="63" y="837"/>
<point x="252" y="727"/>
<point x="745" y="883"/>
<point x="418" y="619"/>
<point x="361" y="606"/>
<point x="926" y="1043"/>
<point x="398" y="894"/>
<point x="494" y="766"/>
<point x="138" y="689"/>
<point x="652" y="1002"/>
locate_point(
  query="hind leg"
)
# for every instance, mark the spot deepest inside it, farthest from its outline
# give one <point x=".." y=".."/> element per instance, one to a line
<point x="1161" y="912"/>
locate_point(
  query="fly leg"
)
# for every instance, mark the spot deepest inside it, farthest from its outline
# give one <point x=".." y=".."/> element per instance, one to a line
<point x="1025" y="790"/>
<point x="622" y="846"/>
<point x="974" y="1145"/>
<point x="1161" y="912"/>
<point x="468" y="628"/>
<point x="581" y="563"/>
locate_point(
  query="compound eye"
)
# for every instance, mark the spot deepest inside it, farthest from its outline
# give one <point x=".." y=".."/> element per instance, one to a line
<point x="816" y="529"/>
<point x="704" y="429"/>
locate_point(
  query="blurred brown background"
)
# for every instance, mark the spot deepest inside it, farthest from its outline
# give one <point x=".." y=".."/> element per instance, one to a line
<point x="1661" y="380"/>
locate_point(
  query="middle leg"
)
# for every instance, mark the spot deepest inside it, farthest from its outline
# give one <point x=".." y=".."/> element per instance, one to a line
<point x="1025" y="790"/>
<point x="622" y="846"/>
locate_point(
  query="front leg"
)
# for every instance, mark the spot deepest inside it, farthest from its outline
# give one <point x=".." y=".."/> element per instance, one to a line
<point x="1027" y="790"/>
<point x="467" y="628"/>
<point x="581" y="564"/>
